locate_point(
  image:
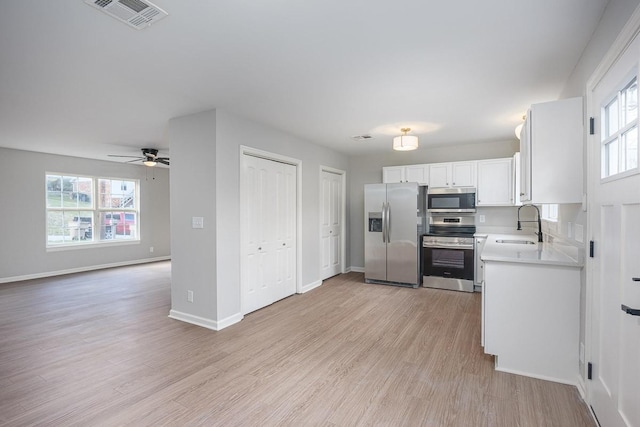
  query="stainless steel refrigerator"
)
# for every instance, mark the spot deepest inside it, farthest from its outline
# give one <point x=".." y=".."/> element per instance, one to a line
<point x="394" y="223"/>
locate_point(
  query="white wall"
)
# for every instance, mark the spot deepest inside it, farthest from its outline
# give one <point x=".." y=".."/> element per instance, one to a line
<point x="23" y="253"/>
<point x="219" y="134"/>
<point x="193" y="194"/>
<point x="368" y="170"/>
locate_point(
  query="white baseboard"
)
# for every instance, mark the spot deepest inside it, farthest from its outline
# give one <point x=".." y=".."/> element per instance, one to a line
<point x="355" y="269"/>
<point x="81" y="269"/>
<point x="228" y="321"/>
<point x="582" y="388"/>
<point x="540" y="377"/>
<point x="204" y="322"/>
<point x="310" y="286"/>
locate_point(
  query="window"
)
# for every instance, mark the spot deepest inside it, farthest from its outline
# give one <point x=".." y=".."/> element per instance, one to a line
<point x="84" y="210"/>
<point x="620" y="132"/>
<point x="550" y="212"/>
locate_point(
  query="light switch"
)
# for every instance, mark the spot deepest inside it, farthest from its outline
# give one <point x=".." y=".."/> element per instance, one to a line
<point x="197" y="222"/>
<point x="578" y="232"/>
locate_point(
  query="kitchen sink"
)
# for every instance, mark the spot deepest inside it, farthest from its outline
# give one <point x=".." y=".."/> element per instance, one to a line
<point x="516" y="242"/>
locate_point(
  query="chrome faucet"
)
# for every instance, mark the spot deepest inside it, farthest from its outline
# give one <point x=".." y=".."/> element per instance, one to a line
<point x="539" y="233"/>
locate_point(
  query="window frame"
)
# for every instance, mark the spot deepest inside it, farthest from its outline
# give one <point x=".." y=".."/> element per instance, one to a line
<point x="95" y="212"/>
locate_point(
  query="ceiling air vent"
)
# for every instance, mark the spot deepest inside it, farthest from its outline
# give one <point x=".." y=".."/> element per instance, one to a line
<point x="361" y="137"/>
<point x="136" y="13"/>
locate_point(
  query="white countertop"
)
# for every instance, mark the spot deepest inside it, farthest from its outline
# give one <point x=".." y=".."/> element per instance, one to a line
<point x="538" y="253"/>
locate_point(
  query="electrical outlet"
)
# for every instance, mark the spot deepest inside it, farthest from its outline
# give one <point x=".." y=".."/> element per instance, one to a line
<point x="197" y="222"/>
<point x="190" y="296"/>
<point x="481" y="218"/>
<point x="151" y="249"/>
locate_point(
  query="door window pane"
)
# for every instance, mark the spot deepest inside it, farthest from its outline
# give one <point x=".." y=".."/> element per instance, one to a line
<point x="630" y="154"/>
<point x="629" y="98"/>
<point x="611" y="118"/>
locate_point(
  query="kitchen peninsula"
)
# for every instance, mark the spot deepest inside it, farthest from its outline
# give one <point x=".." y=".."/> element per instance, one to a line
<point x="531" y="307"/>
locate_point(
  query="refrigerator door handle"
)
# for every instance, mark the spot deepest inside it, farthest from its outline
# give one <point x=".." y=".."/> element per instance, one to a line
<point x="384" y="222"/>
<point x="388" y="223"/>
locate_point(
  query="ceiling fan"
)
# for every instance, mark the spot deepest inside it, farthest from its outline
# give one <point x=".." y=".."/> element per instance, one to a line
<point x="149" y="157"/>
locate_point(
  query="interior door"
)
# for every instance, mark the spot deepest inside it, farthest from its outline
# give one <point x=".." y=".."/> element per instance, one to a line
<point x="269" y="247"/>
<point x="331" y="224"/>
<point x="614" y="227"/>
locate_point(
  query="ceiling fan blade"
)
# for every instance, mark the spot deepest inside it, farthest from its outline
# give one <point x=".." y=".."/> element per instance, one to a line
<point x="134" y="160"/>
<point x="115" y="155"/>
<point x="163" y="160"/>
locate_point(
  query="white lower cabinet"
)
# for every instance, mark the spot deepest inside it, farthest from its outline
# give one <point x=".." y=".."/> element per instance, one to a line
<point x="531" y="319"/>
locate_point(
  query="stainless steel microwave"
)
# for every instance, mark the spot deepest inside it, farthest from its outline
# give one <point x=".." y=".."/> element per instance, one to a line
<point x="461" y="199"/>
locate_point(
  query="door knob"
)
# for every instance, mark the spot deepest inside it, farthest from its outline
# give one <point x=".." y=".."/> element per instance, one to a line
<point x="631" y="311"/>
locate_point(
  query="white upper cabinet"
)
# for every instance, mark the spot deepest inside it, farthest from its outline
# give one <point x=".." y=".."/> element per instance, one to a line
<point x="463" y="174"/>
<point x="393" y="174"/>
<point x="412" y="173"/>
<point x="417" y="173"/>
<point x="551" y="153"/>
<point x="495" y="182"/>
<point x="457" y="174"/>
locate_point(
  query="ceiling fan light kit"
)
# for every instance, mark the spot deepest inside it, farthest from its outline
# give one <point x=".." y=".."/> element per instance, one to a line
<point x="405" y="142"/>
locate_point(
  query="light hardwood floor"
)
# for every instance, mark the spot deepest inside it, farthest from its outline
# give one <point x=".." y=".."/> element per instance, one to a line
<point x="98" y="349"/>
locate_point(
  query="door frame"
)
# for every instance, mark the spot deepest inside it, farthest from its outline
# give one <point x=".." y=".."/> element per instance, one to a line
<point x="343" y="214"/>
<point x="627" y="35"/>
<point x="255" y="152"/>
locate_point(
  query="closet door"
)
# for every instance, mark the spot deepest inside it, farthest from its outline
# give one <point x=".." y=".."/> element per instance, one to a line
<point x="269" y="232"/>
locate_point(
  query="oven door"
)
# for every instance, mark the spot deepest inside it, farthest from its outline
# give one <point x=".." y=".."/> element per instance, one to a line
<point x="448" y="261"/>
<point x="448" y="266"/>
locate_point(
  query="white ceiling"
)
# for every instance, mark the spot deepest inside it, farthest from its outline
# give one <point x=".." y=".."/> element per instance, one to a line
<point x="75" y="81"/>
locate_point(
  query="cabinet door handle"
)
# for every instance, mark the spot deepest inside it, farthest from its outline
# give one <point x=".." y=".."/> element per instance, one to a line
<point x="631" y="311"/>
<point x="636" y="279"/>
<point x="522" y="194"/>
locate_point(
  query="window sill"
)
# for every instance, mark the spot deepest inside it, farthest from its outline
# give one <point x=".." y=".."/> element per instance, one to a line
<point x="93" y="245"/>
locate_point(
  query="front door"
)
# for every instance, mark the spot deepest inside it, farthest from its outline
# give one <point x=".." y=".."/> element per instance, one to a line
<point x="614" y="271"/>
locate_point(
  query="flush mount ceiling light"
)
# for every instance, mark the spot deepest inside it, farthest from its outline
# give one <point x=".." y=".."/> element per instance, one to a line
<point x="149" y="163"/>
<point x="405" y="142"/>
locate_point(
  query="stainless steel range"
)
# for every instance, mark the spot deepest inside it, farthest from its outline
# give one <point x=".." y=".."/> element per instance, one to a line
<point x="447" y="252"/>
